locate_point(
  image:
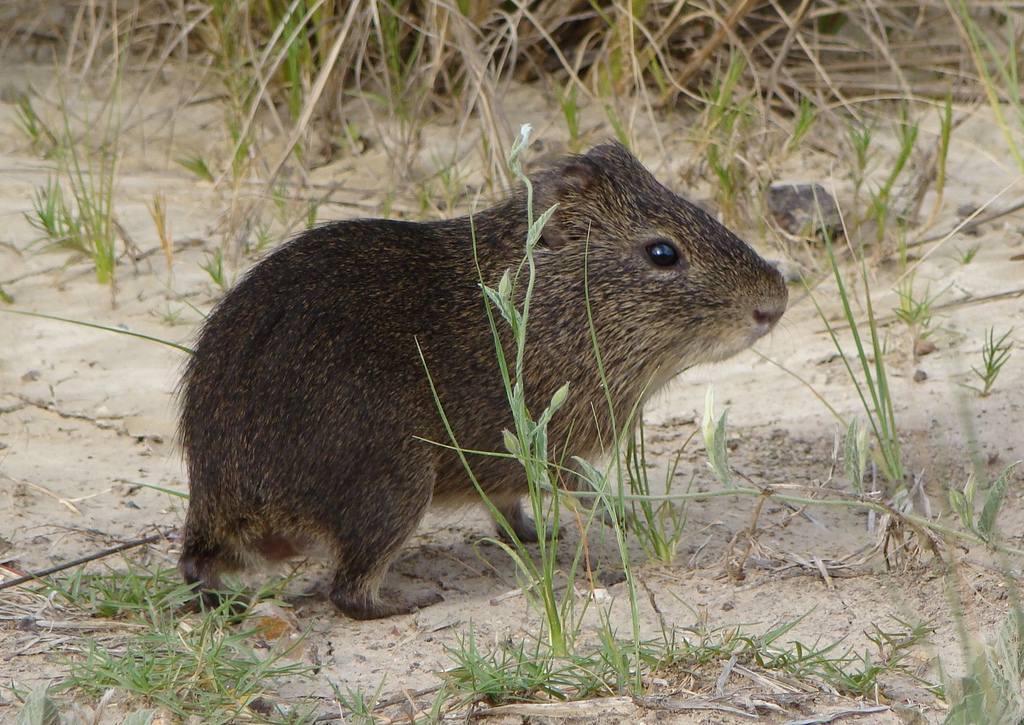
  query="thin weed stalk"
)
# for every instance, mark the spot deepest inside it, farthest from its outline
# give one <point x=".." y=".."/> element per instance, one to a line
<point x="528" y="442"/>
<point x="657" y="524"/>
<point x="881" y="199"/>
<point x="726" y="119"/>
<point x="945" y="136"/>
<point x="105" y="328"/>
<point x="75" y="210"/>
<point x="994" y="354"/>
<point x="980" y="44"/>
<point x="879" y="410"/>
<point x="613" y="498"/>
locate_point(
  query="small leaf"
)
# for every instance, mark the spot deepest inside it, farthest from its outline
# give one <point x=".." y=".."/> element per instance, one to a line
<point x="533" y="236"/>
<point x="709" y="411"/>
<point x="540" y="449"/>
<point x="512" y="444"/>
<point x="559" y="398"/>
<point x="970" y="489"/>
<point x="142" y="717"/>
<point x="593" y="476"/>
<point x="987" y="519"/>
<point x="39" y="709"/>
<point x="502" y="300"/>
<point x="959" y="504"/>
<point x="494" y="296"/>
<point x="720" y="461"/>
<point x="505" y="285"/>
<point x="768" y="637"/>
<point x="714" y="439"/>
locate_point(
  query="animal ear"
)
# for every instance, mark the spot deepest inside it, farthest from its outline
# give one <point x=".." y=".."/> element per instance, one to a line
<point x="565" y="185"/>
<point x="572" y="178"/>
<point x="577" y="176"/>
<point x="553" y="237"/>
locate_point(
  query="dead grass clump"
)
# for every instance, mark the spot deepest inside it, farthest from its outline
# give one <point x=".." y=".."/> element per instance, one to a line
<point x="418" y="57"/>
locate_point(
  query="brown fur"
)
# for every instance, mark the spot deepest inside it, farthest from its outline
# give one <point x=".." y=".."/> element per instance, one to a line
<point x="305" y="402"/>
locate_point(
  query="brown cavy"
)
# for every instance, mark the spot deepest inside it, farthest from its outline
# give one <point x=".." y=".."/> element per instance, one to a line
<point x="306" y="405"/>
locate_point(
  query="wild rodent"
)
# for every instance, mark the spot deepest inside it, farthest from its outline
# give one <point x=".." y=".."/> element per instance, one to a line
<point x="306" y="405"/>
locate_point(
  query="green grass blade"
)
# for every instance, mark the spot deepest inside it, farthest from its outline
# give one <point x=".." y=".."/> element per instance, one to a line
<point x="106" y="328"/>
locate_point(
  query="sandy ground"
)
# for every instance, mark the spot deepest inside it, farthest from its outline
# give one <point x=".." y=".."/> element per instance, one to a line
<point x="86" y="416"/>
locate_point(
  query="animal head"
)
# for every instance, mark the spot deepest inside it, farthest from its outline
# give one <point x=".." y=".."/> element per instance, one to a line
<point x="666" y="282"/>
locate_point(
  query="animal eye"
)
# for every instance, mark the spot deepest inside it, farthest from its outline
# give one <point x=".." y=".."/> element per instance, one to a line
<point x="662" y="254"/>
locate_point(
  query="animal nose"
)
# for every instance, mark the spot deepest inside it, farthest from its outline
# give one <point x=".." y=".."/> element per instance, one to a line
<point x="769" y="314"/>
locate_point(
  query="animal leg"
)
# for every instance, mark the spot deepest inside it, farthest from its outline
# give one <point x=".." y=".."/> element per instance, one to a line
<point x="524" y="527"/>
<point x="374" y="538"/>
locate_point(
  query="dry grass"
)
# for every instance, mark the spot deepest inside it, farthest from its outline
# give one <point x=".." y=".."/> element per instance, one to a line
<point x="303" y="70"/>
<point x="306" y="60"/>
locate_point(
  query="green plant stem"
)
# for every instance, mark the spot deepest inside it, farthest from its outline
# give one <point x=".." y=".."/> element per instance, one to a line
<point x="851" y="500"/>
<point x="881" y="416"/>
<point x="118" y="330"/>
<point x="974" y="37"/>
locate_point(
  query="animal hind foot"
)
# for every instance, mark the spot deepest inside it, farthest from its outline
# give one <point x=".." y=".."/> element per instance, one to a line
<point x="360" y="604"/>
<point x="524" y="527"/>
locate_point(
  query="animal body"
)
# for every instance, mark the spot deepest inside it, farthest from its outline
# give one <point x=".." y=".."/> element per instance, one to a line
<point x="306" y="406"/>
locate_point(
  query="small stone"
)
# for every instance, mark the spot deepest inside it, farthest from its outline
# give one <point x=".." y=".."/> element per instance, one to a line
<point x="920" y="376"/>
<point x="261" y="705"/>
<point x="611" y="577"/>
<point x="30" y="377"/>
<point x="924" y="347"/>
<point x="804" y="209"/>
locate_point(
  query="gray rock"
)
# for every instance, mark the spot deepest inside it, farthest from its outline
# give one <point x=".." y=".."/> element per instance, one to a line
<point x="804" y="209"/>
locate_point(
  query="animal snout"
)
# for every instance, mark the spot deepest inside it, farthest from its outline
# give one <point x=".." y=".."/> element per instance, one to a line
<point x="769" y="314"/>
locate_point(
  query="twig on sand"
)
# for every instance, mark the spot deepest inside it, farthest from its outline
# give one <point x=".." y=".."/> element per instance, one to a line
<point x="84" y="560"/>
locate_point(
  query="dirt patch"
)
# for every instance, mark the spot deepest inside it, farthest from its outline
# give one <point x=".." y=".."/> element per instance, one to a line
<point x="86" y="416"/>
